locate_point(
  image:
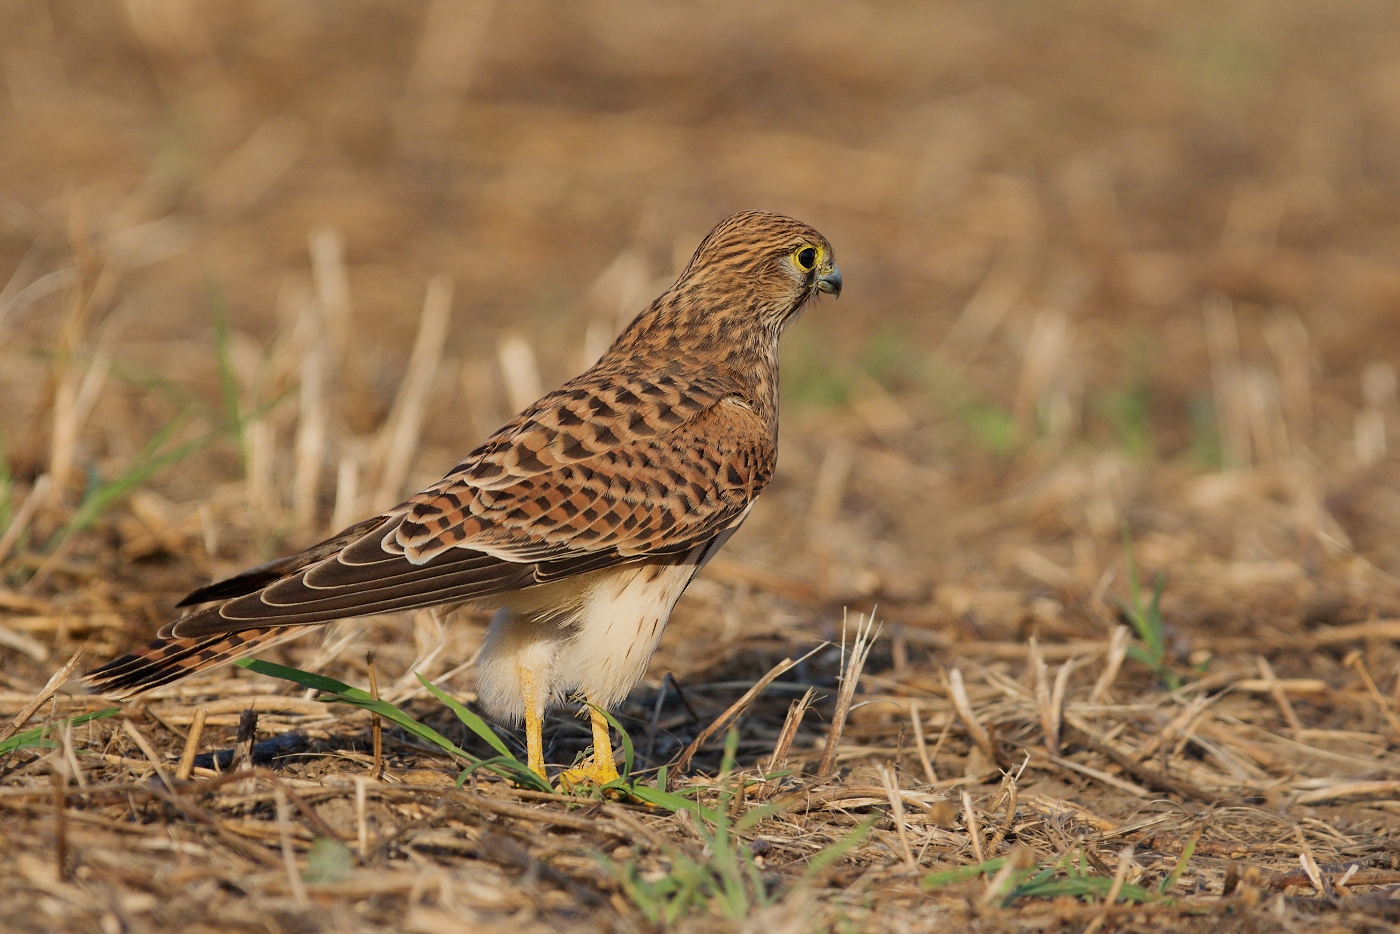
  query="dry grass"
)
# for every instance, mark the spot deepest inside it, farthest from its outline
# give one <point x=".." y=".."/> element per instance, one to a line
<point x="1100" y="435"/>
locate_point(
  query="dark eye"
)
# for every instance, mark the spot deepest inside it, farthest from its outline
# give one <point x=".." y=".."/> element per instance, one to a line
<point x="807" y="257"/>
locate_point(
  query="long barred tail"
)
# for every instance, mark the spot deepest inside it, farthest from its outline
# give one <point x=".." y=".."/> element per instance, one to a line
<point x="169" y="659"/>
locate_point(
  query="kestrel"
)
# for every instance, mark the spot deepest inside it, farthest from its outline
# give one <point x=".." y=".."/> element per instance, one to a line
<point x="586" y="516"/>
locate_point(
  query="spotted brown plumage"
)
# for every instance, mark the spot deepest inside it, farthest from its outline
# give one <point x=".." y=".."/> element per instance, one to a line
<point x="586" y="515"/>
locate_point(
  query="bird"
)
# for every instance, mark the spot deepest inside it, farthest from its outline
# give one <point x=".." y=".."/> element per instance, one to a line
<point x="583" y="519"/>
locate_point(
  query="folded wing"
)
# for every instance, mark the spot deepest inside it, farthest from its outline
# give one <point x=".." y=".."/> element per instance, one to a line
<point x="644" y="498"/>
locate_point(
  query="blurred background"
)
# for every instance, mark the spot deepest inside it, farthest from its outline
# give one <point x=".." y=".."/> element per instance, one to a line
<point x="266" y="266"/>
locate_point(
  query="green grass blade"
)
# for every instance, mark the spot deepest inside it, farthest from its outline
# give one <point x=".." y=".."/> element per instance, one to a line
<point x="305" y="678"/>
<point x="1079" y="887"/>
<point x="671" y="802"/>
<point x="1186" y="854"/>
<point x="474" y="723"/>
<point x="142" y="468"/>
<point x="507" y="767"/>
<point x="37" y="735"/>
<point x="6" y="485"/>
<point x="936" y="880"/>
<point x="228" y="376"/>
<point x="755" y="816"/>
<point x="849" y="842"/>
<point x="731" y="747"/>
<point x="337" y="692"/>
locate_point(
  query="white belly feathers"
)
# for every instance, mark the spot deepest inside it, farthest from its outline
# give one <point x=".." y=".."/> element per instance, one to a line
<point x="593" y="634"/>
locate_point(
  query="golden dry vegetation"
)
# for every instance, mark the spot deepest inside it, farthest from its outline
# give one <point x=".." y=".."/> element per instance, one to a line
<point x="1101" y="432"/>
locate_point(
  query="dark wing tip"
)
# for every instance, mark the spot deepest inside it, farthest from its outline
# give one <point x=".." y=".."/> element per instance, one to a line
<point x="237" y="586"/>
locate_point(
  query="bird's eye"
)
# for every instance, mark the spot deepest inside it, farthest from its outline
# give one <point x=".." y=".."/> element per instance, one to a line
<point x="807" y="257"/>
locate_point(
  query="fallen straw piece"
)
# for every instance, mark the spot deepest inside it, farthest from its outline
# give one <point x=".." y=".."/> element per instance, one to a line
<point x="736" y="708"/>
<point x="186" y="766"/>
<point x="957" y="692"/>
<point x="55" y="682"/>
<point x="919" y="743"/>
<point x="1117" y="651"/>
<point x="791" y="724"/>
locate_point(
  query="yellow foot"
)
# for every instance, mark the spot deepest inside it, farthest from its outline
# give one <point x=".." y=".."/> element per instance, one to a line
<point x="600" y="773"/>
<point x="600" y="767"/>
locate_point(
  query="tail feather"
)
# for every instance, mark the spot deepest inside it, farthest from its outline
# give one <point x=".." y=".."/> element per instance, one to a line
<point x="169" y="659"/>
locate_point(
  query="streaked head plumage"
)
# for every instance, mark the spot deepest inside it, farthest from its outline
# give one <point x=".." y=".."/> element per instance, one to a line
<point x="775" y="261"/>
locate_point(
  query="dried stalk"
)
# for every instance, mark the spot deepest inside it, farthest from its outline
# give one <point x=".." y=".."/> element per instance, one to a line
<point x="1117" y="651"/>
<point x="376" y="725"/>
<point x="736" y="708"/>
<point x="73" y="403"/>
<point x="1049" y="719"/>
<point x="1354" y="658"/>
<point x="1305" y="857"/>
<point x="149" y="752"/>
<point x="22" y="517"/>
<point x="347" y="493"/>
<point x="519" y="370"/>
<point x="1280" y="697"/>
<point x="866" y="633"/>
<point x="796" y="711"/>
<point x="957" y="692"/>
<point x="332" y="292"/>
<point x="1009" y="784"/>
<point x="186" y="766"/>
<point x="398" y="439"/>
<point x="919" y="744"/>
<point x="243" y="745"/>
<point x="311" y="425"/>
<point x="57" y="772"/>
<point x="974" y="829"/>
<point x="361" y="823"/>
<point x="289" y="858"/>
<point x="54" y="683"/>
<point x="891" y="784"/>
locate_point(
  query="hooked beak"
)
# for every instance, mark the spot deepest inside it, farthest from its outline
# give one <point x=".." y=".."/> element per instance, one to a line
<point x="830" y="281"/>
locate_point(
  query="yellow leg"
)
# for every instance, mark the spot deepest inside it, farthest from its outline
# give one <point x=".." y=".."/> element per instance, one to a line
<point x="604" y="766"/>
<point x="534" y="722"/>
<point x="601" y="768"/>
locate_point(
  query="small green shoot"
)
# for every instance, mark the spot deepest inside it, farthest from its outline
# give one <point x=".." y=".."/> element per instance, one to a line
<point x="38" y="737"/>
<point x="1206" y="451"/>
<point x="469" y="719"/>
<point x="228" y="376"/>
<point x="1064" y="877"/>
<point x="937" y="880"/>
<point x="1187" y="852"/>
<point x="7" y="483"/>
<point x="726" y="880"/>
<point x="811" y="377"/>
<point x="853" y="838"/>
<point x="1146" y="619"/>
<point x="991" y="424"/>
<point x="328" y="861"/>
<point x="1128" y="412"/>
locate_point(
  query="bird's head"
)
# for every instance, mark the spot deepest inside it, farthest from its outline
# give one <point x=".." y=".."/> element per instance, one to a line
<point x="761" y="263"/>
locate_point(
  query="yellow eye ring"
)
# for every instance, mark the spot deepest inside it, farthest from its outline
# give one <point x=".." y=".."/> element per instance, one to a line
<point x="806" y="258"/>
